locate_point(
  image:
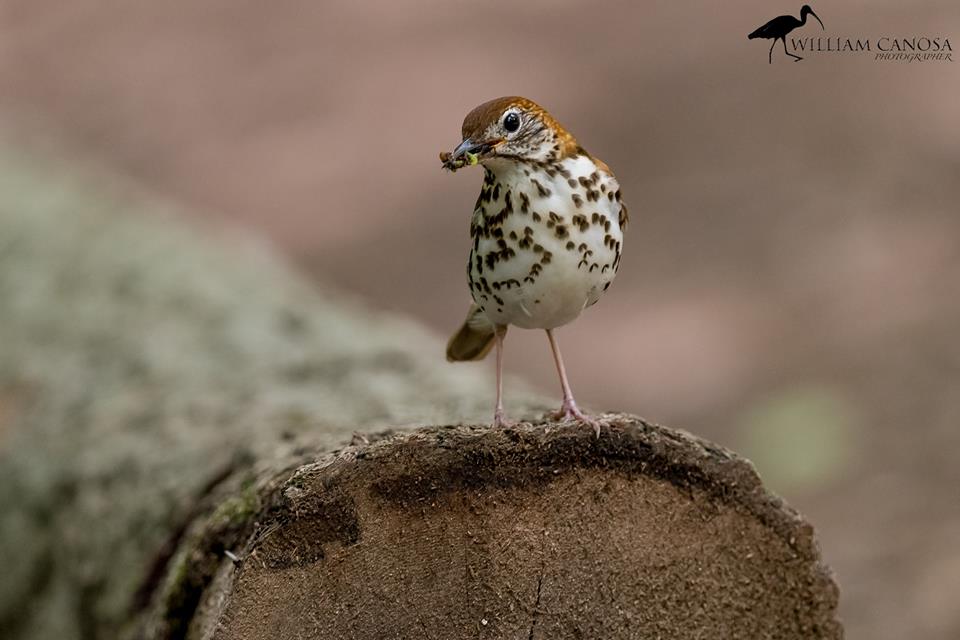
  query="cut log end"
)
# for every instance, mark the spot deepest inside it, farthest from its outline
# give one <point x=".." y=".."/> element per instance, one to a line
<point x="539" y="531"/>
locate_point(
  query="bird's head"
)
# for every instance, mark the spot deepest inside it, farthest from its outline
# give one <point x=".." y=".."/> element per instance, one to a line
<point x="510" y="129"/>
<point x="805" y="9"/>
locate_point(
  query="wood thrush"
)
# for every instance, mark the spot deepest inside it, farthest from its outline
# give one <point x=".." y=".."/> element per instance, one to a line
<point x="547" y="233"/>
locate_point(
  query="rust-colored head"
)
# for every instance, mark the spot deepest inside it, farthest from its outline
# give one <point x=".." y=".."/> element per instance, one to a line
<point x="511" y="128"/>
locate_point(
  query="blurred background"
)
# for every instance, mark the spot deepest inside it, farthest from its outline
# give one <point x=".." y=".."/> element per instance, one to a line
<point x="790" y="285"/>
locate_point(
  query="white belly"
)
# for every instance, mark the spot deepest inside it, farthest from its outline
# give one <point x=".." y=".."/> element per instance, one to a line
<point x="551" y="256"/>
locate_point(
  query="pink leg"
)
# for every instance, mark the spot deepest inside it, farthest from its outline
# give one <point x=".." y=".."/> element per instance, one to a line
<point x="499" y="419"/>
<point x="569" y="410"/>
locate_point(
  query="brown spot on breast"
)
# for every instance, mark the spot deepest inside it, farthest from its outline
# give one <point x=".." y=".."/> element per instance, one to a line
<point x="495" y="221"/>
<point x="577" y="200"/>
<point x="524" y="202"/>
<point x="561" y="231"/>
<point x="536" y="217"/>
<point x="542" y="191"/>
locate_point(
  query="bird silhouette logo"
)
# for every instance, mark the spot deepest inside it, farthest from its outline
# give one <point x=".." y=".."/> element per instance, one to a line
<point x="779" y="27"/>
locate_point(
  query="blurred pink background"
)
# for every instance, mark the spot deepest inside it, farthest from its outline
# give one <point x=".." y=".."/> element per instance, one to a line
<point x="790" y="279"/>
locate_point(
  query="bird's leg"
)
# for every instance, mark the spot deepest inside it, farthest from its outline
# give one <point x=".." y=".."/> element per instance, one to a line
<point x="498" y="414"/>
<point x="770" y="53"/>
<point x="569" y="410"/>
<point x="784" y="41"/>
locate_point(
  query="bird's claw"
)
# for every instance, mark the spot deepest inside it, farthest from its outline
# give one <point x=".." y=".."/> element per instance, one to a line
<point x="571" y="412"/>
<point x="500" y="420"/>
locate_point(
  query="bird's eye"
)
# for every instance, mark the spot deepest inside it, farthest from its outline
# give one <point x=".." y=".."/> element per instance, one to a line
<point x="511" y="122"/>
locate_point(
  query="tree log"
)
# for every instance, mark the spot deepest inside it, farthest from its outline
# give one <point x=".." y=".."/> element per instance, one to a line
<point x="170" y="417"/>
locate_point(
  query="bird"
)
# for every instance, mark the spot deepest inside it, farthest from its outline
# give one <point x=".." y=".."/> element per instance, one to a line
<point x="546" y="235"/>
<point x="779" y="27"/>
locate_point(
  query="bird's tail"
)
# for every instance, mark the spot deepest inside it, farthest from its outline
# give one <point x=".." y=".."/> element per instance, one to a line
<point x="474" y="338"/>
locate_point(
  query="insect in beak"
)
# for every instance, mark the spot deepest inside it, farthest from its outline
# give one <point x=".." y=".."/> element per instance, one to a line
<point x="467" y="153"/>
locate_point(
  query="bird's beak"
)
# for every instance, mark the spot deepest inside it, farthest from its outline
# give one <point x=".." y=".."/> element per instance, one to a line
<point x="468" y="153"/>
<point x="818" y="19"/>
<point x="469" y="148"/>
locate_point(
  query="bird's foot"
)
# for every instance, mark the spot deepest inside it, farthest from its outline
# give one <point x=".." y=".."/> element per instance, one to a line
<point x="571" y="412"/>
<point x="500" y="420"/>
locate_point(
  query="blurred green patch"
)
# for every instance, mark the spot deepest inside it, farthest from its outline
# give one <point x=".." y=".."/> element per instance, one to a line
<point x="800" y="438"/>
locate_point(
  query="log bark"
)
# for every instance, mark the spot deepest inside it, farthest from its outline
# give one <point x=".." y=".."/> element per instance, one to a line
<point x="180" y="458"/>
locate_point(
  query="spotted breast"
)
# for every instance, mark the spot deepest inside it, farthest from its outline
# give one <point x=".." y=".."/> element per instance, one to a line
<point x="546" y="239"/>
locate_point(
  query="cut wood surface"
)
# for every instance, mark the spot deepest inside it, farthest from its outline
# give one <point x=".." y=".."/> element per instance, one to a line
<point x="537" y="531"/>
<point x="181" y="457"/>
